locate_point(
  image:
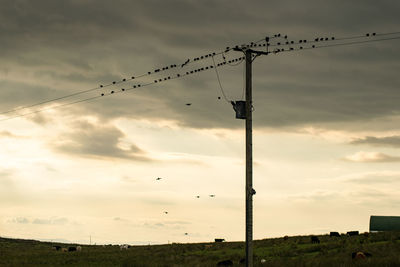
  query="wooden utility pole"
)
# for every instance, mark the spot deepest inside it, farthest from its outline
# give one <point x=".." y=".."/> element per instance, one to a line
<point x="249" y="162"/>
<point x="247" y="114"/>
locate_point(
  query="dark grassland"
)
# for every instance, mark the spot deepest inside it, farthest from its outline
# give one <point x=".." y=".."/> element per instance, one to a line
<point x="295" y="251"/>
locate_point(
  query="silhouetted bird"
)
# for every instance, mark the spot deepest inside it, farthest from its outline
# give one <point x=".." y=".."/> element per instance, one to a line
<point x="197" y="196"/>
<point x="158" y="178"/>
<point x="186" y="233"/>
<point x="188" y="104"/>
<point x="166" y="212"/>
<point x="212" y="195"/>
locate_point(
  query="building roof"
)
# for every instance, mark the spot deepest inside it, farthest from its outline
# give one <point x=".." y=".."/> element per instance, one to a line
<point x="384" y="223"/>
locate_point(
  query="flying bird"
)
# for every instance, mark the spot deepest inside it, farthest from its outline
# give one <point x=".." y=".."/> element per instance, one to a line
<point x="212" y="195"/>
<point x="186" y="233"/>
<point x="188" y="104"/>
<point x="197" y="196"/>
<point x="166" y="212"/>
<point x="158" y="179"/>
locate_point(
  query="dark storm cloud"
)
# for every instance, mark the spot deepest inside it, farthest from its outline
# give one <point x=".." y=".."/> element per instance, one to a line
<point x="75" y="45"/>
<point x="98" y="141"/>
<point x="389" y="141"/>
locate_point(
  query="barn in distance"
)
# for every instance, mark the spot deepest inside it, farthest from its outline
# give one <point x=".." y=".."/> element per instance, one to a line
<point x="384" y="223"/>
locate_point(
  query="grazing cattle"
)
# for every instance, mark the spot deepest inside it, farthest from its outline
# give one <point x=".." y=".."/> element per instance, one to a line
<point x="122" y="247"/>
<point x="219" y="240"/>
<point x="352" y="233"/>
<point x="225" y="263"/>
<point x="360" y="255"/>
<point x="56" y="248"/>
<point x="64" y="250"/>
<point x="71" y="249"/>
<point x="332" y="234"/>
<point x="78" y="248"/>
<point x="285" y="237"/>
<point x="315" y="240"/>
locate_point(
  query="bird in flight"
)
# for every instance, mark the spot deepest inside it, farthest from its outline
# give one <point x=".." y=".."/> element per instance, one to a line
<point x="188" y="104"/>
<point x="166" y="212"/>
<point x="212" y="195"/>
<point x="158" y="179"/>
<point x="197" y="196"/>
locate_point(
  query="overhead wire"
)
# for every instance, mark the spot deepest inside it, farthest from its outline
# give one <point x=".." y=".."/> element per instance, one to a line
<point x="305" y="46"/>
<point x="148" y="73"/>
<point x="135" y="86"/>
<point x="219" y="81"/>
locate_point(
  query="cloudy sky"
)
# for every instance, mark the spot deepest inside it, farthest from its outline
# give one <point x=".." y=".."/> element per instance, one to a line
<point x="326" y="121"/>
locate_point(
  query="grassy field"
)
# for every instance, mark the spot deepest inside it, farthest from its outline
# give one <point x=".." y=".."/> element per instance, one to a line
<point x="295" y="251"/>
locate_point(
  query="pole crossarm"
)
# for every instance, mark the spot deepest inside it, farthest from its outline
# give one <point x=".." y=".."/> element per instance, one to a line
<point x="252" y="51"/>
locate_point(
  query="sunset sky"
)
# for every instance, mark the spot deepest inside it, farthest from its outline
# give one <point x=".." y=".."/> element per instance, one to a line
<point x="326" y="121"/>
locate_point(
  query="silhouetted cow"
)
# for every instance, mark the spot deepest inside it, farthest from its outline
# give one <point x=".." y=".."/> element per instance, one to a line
<point x="219" y="240"/>
<point x="225" y="263"/>
<point x="332" y="234"/>
<point x="71" y="249"/>
<point x="315" y="240"/>
<point x="56" y="248"/>
<point x="352" y="233"/>
<point x="285" y="237"/>
<point x="360" y="255"/>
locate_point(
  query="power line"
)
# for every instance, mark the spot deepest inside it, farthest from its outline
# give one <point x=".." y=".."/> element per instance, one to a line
<point x="301" y="46"/>
<point x="155" y="71"/>
<point x="195" y="59"/>
<point x="219" y="81"/>
<point x="331" y="45"/>
<point x="148" y="73"/>
<point x="136" y="86"/>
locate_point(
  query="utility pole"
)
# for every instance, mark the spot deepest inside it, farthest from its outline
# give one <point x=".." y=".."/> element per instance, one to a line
<point x="249" y="162"/>
<point x="244" y="111"/>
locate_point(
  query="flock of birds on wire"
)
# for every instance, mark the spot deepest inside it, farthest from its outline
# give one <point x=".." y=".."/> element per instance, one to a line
<point x="273" y="45"/>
